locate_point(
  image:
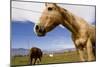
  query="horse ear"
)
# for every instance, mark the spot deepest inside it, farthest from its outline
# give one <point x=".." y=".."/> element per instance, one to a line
<point x="46" y="4"/>
<point x="54" y="4"/>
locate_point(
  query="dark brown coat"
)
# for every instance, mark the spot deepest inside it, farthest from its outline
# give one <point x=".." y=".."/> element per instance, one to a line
<point x="35" y="53"/>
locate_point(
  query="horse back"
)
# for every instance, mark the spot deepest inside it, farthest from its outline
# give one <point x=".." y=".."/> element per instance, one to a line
<point x="35" y="52"/>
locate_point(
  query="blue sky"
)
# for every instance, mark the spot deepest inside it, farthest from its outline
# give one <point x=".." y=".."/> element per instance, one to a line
<point x="23" y="36"/>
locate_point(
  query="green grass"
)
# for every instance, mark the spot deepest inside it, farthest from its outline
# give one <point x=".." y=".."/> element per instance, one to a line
<point x="57" y="58"/>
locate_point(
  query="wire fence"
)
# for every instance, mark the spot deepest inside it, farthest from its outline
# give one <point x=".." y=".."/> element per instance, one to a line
<point x="27" y="10"/>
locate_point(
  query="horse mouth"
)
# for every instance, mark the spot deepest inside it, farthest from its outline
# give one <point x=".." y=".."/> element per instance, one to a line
<point x="40" y="34"/>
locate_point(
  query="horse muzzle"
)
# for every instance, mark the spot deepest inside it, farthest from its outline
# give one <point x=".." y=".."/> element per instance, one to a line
<point x="40" y="30"/>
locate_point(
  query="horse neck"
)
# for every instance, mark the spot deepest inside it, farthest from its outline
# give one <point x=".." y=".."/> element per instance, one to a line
<point x="71" y="22"/>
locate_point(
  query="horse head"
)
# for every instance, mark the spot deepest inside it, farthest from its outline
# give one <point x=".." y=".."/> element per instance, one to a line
<point x="50" y="18"/>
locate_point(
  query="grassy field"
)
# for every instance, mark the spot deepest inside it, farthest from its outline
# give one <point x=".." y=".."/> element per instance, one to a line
<point x="57" y="58"/>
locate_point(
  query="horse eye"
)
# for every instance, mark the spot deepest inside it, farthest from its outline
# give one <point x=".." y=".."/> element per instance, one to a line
<point x="49" y="8"/>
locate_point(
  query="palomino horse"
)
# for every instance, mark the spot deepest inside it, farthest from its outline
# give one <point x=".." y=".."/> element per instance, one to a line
<point x="83" y="34"/>
<point x="35" y="53"/>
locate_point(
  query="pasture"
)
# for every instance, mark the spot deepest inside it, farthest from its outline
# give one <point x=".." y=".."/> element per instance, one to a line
<point x="64" y="57"/>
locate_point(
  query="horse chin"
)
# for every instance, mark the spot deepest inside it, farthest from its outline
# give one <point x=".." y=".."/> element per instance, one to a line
<point x="41" y="34"/>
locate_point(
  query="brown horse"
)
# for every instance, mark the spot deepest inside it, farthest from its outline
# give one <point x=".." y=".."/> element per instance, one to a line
<point x="35" y="53"/>
<point x="83" y="34"/>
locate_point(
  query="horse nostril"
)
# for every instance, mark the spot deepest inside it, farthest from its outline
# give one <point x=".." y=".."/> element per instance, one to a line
<point x="42" y="30"/>
<point x="37" y="27"/>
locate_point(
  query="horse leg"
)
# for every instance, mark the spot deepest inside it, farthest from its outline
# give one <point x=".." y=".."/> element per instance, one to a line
<point x="40" y="59"/>
<point x="81" y="53"/>
<point x="35" y="60"/>
<point x="94" y="51"/>
<point x="80" y="48"/>
<point x="90" y="53"/>
<point x="31" y="59"/>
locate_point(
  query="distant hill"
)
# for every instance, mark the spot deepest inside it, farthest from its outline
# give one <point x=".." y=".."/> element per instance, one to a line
<point x="19" y="51"/>
<point x="22" y="51"/>
<point x="59" y="51"/>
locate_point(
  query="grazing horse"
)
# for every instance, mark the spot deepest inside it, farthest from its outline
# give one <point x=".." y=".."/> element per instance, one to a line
<point x="35" y="53"/>
<point x="83" y="34"/>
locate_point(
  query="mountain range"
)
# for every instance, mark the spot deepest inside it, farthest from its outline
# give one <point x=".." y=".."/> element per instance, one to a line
<point x="23" y="51"/>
